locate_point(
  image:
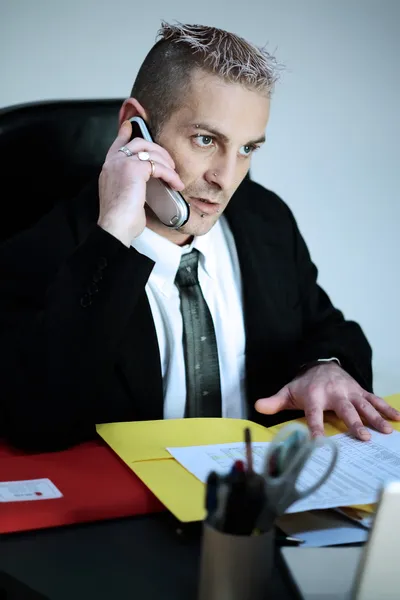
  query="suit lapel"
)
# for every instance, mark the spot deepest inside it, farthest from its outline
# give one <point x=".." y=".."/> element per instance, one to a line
<point x="139" y="365"/>
<point x="259" y="270"/>
<point x="138" y="362"/>
<point x="267" y="292"/>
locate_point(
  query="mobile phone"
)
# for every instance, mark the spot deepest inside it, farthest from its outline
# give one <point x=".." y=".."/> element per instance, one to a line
<point x="168" y="204"/>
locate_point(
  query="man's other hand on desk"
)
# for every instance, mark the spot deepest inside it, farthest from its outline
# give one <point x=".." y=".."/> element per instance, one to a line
<point x="328" y="387"/>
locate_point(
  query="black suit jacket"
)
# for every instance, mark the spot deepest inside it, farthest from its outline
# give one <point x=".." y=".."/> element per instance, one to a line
<point x="78" y="341"/>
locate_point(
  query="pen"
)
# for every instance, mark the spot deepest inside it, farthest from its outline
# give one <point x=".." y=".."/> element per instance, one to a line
<point x="211" y="492"/>
<point x="249" y="455"/>
<point x="244" y="504"/>
<point x="271" y="466"/>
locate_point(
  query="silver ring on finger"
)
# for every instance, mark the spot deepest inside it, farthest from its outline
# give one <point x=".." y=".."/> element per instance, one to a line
<point x="125" y="150"/>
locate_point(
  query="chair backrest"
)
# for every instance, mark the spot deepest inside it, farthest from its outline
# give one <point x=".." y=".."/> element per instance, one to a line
<point x="48" y="151"/>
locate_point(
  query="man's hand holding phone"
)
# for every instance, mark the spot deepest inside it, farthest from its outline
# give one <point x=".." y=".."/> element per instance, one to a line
<point x="122" y="184"/>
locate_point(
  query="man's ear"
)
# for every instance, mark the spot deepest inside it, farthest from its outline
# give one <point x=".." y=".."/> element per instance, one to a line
<point x="131" y="108"/>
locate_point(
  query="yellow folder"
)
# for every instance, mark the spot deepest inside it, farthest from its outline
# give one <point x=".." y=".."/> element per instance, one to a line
<point x="142" y="446"/>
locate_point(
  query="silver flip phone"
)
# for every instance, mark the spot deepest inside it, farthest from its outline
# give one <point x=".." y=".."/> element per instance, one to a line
<point x="168" y="204"/>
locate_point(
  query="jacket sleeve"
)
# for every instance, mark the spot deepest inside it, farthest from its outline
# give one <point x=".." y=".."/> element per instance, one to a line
<point x="326" y="333"/>
<point x="64" y="304"/>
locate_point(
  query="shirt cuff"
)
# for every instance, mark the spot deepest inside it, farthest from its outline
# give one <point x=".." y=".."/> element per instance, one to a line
<point x="333" y="358"/>
<point x="306" y="366"/>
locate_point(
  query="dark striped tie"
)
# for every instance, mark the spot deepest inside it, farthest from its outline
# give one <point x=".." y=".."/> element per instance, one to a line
<point x="203" y="387"/>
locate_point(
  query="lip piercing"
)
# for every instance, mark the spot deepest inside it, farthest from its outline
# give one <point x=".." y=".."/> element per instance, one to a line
<point x="203" y="214"/>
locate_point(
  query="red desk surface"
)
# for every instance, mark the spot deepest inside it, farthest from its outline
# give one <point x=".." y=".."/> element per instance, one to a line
<point x="94" y="482"/>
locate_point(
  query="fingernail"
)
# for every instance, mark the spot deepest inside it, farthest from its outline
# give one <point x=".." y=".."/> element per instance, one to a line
<point x="387" y="428"/>
<point x="363" y="432"/>
<point x="125" y="125"/>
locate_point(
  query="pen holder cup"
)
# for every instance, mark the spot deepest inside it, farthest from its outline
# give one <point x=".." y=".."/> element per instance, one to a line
<point x="235" y="567"/>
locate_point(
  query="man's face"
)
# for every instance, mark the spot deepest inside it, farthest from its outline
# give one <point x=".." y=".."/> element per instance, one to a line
<point x="211" y="138"/>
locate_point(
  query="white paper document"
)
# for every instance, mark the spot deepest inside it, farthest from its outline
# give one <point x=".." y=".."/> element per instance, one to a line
<point x="361" y="470"/>
<point x="31" y="489"/>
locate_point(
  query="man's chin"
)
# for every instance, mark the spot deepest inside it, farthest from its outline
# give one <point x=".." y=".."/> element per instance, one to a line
<point x="198" y="225"/>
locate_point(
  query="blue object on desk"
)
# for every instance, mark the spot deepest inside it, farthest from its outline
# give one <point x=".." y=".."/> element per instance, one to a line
<point x="286" y="458"/>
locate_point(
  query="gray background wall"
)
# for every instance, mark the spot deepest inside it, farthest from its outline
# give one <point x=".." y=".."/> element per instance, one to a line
<point x="332" y="147"/>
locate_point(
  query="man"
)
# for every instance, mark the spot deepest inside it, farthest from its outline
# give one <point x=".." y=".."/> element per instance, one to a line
<point x="108" y="315"/>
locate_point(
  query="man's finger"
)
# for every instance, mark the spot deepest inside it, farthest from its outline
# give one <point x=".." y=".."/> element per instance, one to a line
<point x="315" y="417"/>
<point x="123" y="137"/>
<point x="383" y="407"/>
<point x="371" y="415"/>
<point x="346" y="411"/>
<point x="274" y="404"/>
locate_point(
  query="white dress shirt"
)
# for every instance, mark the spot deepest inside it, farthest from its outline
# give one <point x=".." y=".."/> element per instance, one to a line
<point x="220" y="281"/>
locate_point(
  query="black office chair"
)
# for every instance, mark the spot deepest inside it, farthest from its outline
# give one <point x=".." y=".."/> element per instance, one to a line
<point x="48" y="151"/>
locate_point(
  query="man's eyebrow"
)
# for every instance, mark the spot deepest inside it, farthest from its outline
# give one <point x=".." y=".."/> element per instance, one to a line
<point x="223" y="137"/>
<point x="260" y="140"/>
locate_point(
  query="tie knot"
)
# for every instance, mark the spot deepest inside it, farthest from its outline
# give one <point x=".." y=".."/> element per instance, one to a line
<point x="187" y="272"/>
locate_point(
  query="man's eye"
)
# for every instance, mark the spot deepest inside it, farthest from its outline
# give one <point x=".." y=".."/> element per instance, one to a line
<point x="247" y="150"/>
<point x="204" y="140"/>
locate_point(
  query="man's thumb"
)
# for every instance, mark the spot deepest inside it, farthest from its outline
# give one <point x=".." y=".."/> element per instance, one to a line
<point x="125" y="129"/>
<point x="273" y="404"/>
<point x="124" y="132"/>
<point x="123" y="137"/>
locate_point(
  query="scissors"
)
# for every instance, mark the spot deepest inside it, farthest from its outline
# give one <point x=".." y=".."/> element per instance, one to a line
<point x="284" y="463"/>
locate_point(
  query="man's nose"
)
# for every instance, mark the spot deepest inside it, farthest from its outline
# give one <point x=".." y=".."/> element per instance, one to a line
<point x="222" y="173"/>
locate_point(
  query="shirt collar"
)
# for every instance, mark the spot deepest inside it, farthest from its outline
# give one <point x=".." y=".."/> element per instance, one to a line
<point x="207" y="246"/>
<point x="167" y="255"/>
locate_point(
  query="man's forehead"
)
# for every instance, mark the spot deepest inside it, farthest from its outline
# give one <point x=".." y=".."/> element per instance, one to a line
<point x="228" y="118"/>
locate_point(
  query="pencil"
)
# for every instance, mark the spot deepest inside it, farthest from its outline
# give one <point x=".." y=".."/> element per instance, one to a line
<point x="249" y="455"/>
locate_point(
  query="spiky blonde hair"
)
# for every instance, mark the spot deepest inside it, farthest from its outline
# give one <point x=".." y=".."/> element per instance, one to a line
<point x="166" y="72"/>
<point x="225" y="54"/>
